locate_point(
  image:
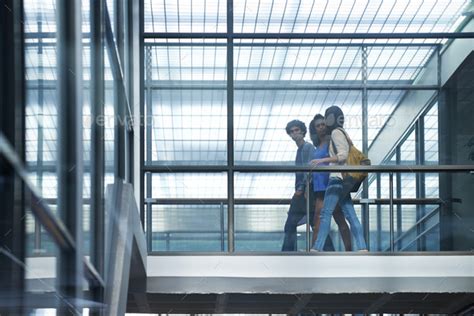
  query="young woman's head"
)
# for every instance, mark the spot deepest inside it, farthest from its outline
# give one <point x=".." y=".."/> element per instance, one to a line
<point x="334" y="118"/>
<point x="317" y="129"/>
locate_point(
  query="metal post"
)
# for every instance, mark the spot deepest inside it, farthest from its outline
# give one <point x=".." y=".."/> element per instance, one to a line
<point x="149" y="233"/>
<point x="97" y="96"/>
<point x="308" y="225"/>
<point x="379" y="214"/>
<point x="148" y="127"/>
<point x="40" y="150"/>
<point x="70" y="168"/>
<point x="365" y="145"/>
<point x="390" y="188"/>
<point x="12" y="122"/>
<point x="399" y="190"/>
<point x="143" y="119"/>
<point x="221" y="209"/>
<point x="420" y="177"/>
<point x="230" y="125"/>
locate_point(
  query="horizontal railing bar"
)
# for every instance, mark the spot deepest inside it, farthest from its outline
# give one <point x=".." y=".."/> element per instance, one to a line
<point x="304" y="253"/>
<point x="273" y="201"/>
<point x="421" y="35"/>
<point x="271" y="169"/>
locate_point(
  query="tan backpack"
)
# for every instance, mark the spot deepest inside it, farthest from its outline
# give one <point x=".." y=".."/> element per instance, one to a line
<point x="354" y="158"/>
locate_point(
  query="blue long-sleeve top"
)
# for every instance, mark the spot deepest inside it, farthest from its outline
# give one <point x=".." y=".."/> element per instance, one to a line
<point x="304" y="154"/>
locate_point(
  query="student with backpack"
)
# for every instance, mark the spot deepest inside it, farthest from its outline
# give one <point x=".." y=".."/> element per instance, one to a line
<point x="320" y="138"/>
<point x="339" y="185"/>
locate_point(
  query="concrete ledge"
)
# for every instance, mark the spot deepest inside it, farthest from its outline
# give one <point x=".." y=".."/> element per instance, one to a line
<point x="310" y="274"/>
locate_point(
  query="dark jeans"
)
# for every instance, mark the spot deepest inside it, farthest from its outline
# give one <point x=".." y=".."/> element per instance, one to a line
<point x="296" y="212"/>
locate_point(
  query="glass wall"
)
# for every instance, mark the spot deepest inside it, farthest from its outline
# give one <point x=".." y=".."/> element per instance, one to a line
<point x="219" y="96"/>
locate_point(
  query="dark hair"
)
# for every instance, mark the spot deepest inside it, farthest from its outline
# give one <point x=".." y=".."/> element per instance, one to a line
<point x="312" y="130"/>
<point x="296" y="123"/>
<point x="338" y="118"/>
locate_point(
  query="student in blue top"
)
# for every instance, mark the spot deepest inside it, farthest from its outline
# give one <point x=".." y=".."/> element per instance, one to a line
<point x="320" y="139"/>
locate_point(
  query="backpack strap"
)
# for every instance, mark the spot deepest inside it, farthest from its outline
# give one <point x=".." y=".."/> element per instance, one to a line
<point x="349" y="141"/>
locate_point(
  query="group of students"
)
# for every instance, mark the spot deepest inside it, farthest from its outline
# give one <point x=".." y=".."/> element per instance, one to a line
<point x="330" y="192"/>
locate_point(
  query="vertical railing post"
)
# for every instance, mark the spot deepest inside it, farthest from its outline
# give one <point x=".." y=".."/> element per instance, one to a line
<point x="221" y="216"/>
<point x="365" y="145"/>
<point x="390" y="186"/>
<point x="230" y="125"/>
<point x="308" y="220"/>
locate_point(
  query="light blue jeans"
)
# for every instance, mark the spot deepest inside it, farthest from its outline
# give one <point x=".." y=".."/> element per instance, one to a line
<point x="338" y="192"/>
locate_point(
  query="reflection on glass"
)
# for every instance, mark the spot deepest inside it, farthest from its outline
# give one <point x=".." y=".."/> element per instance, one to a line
<point x="188" y="127"/>
<point x="260" y="118"/>
<point x="189" y="227"/>
<point x="189" y="185"/>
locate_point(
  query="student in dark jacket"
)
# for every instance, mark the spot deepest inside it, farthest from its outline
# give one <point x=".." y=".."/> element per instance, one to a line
<point x="297" y="131"/>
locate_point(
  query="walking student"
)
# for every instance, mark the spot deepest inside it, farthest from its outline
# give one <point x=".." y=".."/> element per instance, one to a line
<point x="297" y="131"/>
<point x="338" y="189"/>
<point x="320" y="138"/>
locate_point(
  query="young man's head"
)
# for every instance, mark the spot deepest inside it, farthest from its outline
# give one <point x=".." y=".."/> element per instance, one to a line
<point x="296" y="129"/>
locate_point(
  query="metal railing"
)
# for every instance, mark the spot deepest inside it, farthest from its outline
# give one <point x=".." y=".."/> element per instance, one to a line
<point x="391" y="201"/>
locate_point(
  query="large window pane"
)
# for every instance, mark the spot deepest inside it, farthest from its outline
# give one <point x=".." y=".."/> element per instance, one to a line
<point x="261" y="117"/>
<point x="187" y="127"/>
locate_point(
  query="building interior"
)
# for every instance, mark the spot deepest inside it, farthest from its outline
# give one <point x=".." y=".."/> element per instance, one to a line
<point x="146" y="166"/>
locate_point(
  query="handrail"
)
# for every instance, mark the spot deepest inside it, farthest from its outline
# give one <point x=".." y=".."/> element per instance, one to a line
<point x="270" y="169"/>
<point x="273" y="201"/>
<point x="43" y="213"/>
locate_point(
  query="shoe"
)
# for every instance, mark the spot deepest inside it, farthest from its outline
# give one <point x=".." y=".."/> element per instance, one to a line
<point x="363" y="250"/>
<point x="314" y="250"/>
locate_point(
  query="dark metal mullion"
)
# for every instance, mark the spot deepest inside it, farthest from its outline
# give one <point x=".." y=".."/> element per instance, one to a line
<point x="148" y="148"/>
<point x="365" y="146"/>
<point x="379" y="213"/>
<point x="70" y="149"/>
<point x="12" y="126"/>
<point x="399" y="191"/>
<point x="420" y="177"/>
<point x="97" y="97"/>
<point x="143" y="119"/>
<point x="40" y="152"/>
<point x="230" y="127"/>
<point x="120" y="145"/>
